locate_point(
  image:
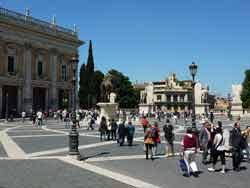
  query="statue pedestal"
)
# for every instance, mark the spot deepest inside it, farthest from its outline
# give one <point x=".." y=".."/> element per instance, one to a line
<point x="145" y="108"/>
<point x="108" y="110"/>
<point x="236" y="109"/>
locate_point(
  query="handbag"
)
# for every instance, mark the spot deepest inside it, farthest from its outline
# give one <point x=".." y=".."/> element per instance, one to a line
<point x="182" y="164"/>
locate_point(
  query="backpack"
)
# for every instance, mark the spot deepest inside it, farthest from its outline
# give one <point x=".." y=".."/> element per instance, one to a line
<point x="154" y="133"/>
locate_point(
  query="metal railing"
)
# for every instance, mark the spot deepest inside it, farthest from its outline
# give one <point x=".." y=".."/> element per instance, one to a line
<point x="26" y="19"/>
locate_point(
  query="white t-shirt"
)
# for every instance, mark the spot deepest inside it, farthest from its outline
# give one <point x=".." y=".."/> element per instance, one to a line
<point x="23" y="114"/>
<point x="39" y="115"/>
<point x="217" y="142"/>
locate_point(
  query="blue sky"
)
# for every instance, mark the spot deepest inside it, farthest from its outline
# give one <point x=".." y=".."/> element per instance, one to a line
<point x="147" y="40"/>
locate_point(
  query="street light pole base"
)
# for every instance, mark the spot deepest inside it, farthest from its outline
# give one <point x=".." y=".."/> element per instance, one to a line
<point x="75" y="157"/>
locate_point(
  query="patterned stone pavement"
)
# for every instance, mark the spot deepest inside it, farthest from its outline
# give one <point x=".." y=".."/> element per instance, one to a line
<point x="38" y="157"/>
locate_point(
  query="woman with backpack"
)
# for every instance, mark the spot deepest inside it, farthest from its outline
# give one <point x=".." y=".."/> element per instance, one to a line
<point x="217" y="150"/>
<point x="148" y="141"/>
<point x="156" y="137"/>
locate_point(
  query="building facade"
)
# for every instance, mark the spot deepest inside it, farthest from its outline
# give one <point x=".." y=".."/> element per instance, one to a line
<point x="36" y="69"/>
<point x="171" y="95"/>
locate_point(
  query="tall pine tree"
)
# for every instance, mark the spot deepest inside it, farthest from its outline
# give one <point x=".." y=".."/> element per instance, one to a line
<point x="90" y="80"/>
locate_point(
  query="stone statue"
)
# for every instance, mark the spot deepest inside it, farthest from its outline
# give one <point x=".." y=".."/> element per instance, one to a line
<point x="236" y="91"/>
<point x="108" y="85"/>
<point x="112" y="97"/>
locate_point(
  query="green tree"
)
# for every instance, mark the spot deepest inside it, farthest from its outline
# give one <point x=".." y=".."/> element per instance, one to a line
<point x="90" y="80"/>
<point x="127" y="96"/>
<point x="83" y="86"/>
<point x="245" y="94"/>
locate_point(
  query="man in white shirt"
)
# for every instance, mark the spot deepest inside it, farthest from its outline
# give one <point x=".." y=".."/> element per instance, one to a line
<point x="23" y="116"/>
<point x="39" y="117"/>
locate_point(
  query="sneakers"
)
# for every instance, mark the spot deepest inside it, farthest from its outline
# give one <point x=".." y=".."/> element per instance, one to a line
<point x="211" y="169"/>
<point x="222" y="172"/>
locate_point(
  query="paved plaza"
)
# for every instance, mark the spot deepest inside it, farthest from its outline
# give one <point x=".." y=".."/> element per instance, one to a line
<point x="32" y="157"/>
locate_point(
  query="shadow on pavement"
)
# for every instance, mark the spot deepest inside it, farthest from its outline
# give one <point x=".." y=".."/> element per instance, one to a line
<point x="93" y="156"/>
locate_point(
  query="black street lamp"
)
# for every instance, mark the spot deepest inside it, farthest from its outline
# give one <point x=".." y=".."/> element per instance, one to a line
<point x="74" y="135"/>
<point x="193" y="70"/>
<point x="7" y="107"/>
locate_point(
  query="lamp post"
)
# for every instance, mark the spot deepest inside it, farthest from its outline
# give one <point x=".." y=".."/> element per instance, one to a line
<point x="7" y="107"/>
<point x="193" y="70"/>
<point x="74" y="135"/>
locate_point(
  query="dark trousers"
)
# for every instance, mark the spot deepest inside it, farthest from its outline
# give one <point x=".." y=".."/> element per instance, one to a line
<point x="113" y="134"/>
<point x="109" y="134"/>
<point x="236" y="155"/>
<point x="102" y="134"/>
<point x="216" y="154"/>
<point x="149" y="149"/>
<point x="121" y="140"/>
<point x="130" y="140"/>
<point x="144" y="129"/>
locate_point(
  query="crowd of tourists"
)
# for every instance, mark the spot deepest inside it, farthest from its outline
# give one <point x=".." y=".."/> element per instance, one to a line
<point x="210" y="140"/>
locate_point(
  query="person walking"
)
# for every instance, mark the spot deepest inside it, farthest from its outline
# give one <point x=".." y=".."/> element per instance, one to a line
<point x="156" y="137"/>
<point x="237" y="144"/>
<point x="246" y="137"/>
<point x="109" y="129"/>
<point x="34" y="118"/>
<point x="103" y="128"/>
<point x="113" y="129"/>
<point x="189" y="149"/>
<point x="121" y="132"/>
<point x="23" y="116"/>
<point x="169" y="136"/>
<point x="130" y="133"/>
<point x="211" y="117"/>
<point x="204" y="139"/>
<point x="39" y="118"/>
<point x="148" y="142"/>
<point x="67" y="120"/>
<point x="218" y="150"/>
<point x="144" y="123"/>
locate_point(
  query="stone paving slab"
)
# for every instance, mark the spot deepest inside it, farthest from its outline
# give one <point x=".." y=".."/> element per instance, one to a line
<point x="36" y="144"/>
<point x="165" y="173"/>
<point x="2" y="151"/>
<point x="38" y="132"/>
<point x="50" y="174"/>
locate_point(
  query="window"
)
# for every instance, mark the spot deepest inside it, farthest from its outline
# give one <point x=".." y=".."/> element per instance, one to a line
<point x="158" y="97"/>
<point x="175" y="98"/>
<point x="40" y="68"/>
<point x="168" y="98"/>
<point x="11" y="64"/>
<point x="182" y="98"/>
<point x="64" y="72"/>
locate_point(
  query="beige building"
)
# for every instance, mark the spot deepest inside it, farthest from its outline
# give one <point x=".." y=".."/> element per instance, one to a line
<point x="221" y="104"/>
<point x="36" y="70"/>
<point x="172" y="95"/>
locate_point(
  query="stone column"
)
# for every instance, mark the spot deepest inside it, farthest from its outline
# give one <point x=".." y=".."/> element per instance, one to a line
<point x="76" y="89"/>
<point x="53" y="71"/>
<point x="186" y="98"/>
<point x="172" y="98"/>
<point x="27" y="93"/>
<point x="178" y="98"/>
<point x="1" y="100"/>
<point x="70" y="99"/>
<point x="47" y="99"/>
<point x="19" y="100"/>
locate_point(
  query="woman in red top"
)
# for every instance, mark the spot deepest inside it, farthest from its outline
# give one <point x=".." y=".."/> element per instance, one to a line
<point x="189" y="146"/>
